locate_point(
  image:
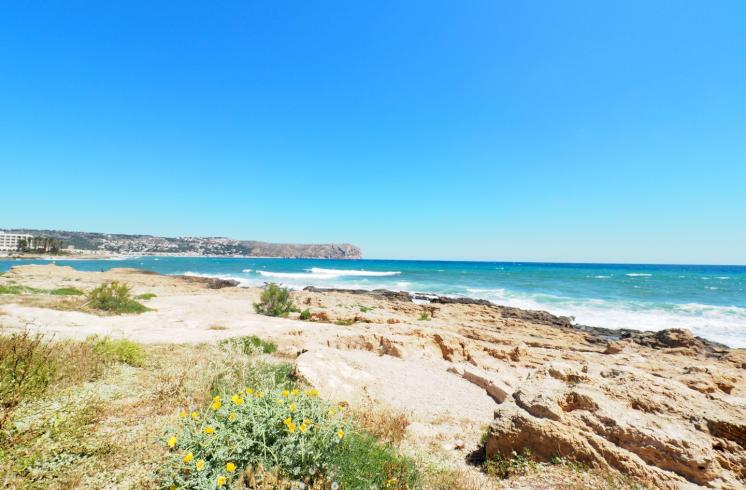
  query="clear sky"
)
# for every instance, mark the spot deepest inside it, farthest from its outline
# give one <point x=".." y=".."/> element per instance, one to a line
<point x="557" y="131"/>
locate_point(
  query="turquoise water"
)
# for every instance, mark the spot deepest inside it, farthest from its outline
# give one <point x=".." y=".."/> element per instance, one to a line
<point x="709" y="300"/>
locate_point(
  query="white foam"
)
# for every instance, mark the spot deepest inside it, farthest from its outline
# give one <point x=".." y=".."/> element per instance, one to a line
<point x="346" y="272"/>
<point x="601" y="277"/>
<point x="638" y="274"/>
<point x="247" y="270"/>
<point x="725" y="324"/>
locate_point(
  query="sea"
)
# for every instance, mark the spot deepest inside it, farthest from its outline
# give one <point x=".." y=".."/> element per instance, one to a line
<point x="709" y="300"/>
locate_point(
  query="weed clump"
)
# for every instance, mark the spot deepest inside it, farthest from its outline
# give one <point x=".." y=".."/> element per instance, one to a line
<point x="275" y="301"/>
<point x="305" y="314"/>
<point x="146" y="296"/>
<point x="68" y="291"/>
<point x="118" y="350"/>
<point x="250" y="345"/>
<point x="114" y="297"/>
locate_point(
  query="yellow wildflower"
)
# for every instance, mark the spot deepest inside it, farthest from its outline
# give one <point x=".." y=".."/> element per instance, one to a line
<point x="216" y="403"/>
<point x="232" y="416"/>
<point x="285" y="393"/>
<point x="291" y="427"/>
<point x="172" y="441"/>
<point x="296" y="391"/>
<point x="259" y="394"/>
<point x="182" y="414"/>
<point x="195" y="415"/>
<point x="237" y="399"/>
<point x="307" y="422"/>
<point x="280" y="401"/>
<point x="314" y="392"/>
<point x="249" y="391"/>
<point x="331" y="411"/>
<point x="221" y="481"/>
<point x="292" y="407"/>
<point x="340" y="433"/>
<point x="303" y="427"/>
<point x="287" y="421"/>
<point x="188" y="457"/>
<point x="230" y="467"/>
<point x="209" y="430"/>
<point x="200" y="465"/>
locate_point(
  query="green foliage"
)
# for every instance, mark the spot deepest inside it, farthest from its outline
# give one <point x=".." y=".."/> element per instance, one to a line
<point x="13" y="289"/>
<point x="517" y="464"/>
<point x="146" y="296"/>
<point x="424" y="316"/>
<point x="305" y="314"/>
<point x="345" y="322"/>
<point x="291" y="432"/>
<point x="365" y="309"/>
<point x="275" y="301"/>
<point x="68" y="291"/>
<point x="20" y="289"/>
<point x="363" y="462"/>
<point x="118" y="350"/>
<point x="114" y="297"/>
<point x="250" y="345"/>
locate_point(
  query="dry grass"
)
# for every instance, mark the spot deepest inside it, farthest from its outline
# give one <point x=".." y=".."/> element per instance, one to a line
<point x="385" y="424"/>
<point x="217" y="327"/>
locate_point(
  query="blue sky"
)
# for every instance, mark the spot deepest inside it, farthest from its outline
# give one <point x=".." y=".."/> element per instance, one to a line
<point x="557" y="131"/>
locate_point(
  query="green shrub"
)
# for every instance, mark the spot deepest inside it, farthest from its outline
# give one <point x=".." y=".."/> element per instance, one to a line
<point x="305" y="314"/>
<point x="250" y="345"/>
<point x="68" y="291"/>
<point x="363" y="462"/>
<point x="345" y="322"/>
<point x="275" y="301"/>
<point x="114" y="297"/>
<point x="290" y="431"/>
<point x="146" y="296"/>
<point x="517" y="464"/>
<point x="424" y="316"/>
<point x="365" y="309"/>
<point x="118" y="350"/>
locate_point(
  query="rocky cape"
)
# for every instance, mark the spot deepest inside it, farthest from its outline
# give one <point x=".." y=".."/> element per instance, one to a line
<point x="207" y="246"/>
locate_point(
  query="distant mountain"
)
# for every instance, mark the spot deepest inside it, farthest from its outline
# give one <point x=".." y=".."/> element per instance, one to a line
<point x="147" y="244"/>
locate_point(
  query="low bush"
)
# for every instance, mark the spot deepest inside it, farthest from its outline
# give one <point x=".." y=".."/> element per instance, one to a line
<point x="305" y="314"/>
<point x="114" y="297"/>
<point x="290" y="432"/>
<point x="517" y="464"/>
<point x="118" y="350"/>
<point x="250" y="345"/>
<point x="275" y="301"/>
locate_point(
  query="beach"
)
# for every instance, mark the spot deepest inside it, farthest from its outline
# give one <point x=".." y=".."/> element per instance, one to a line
<point x="652" y="405"/>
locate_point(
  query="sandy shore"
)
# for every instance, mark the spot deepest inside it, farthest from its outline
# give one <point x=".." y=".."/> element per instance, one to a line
<point x="666" y="408"/>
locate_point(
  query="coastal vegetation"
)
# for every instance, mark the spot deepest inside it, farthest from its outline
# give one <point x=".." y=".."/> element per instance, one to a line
<point x="40" y="244"/>
<point x="102" y="412"/>
<point x="145" y="296"/>
<point x="275" y="301"/>
<point x="17" y="289"/>
<point x="114" y="297"/>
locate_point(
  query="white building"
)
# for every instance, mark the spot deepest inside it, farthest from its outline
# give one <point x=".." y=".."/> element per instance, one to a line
<point x="9" y="241"/>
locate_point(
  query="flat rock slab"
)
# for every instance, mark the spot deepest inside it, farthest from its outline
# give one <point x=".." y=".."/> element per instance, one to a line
<point x="424" y="388"/>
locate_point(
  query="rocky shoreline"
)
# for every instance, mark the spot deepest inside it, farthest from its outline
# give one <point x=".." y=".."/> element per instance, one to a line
<point x="666" y="409"/>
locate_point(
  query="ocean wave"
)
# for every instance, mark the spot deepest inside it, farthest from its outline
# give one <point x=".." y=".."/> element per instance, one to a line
<point x="638" y="274"/>
<point x="725" y="324"/>
<point x="601" y="277"/>
<point x="247" y="270"/>
<point x="347" y="272"/>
